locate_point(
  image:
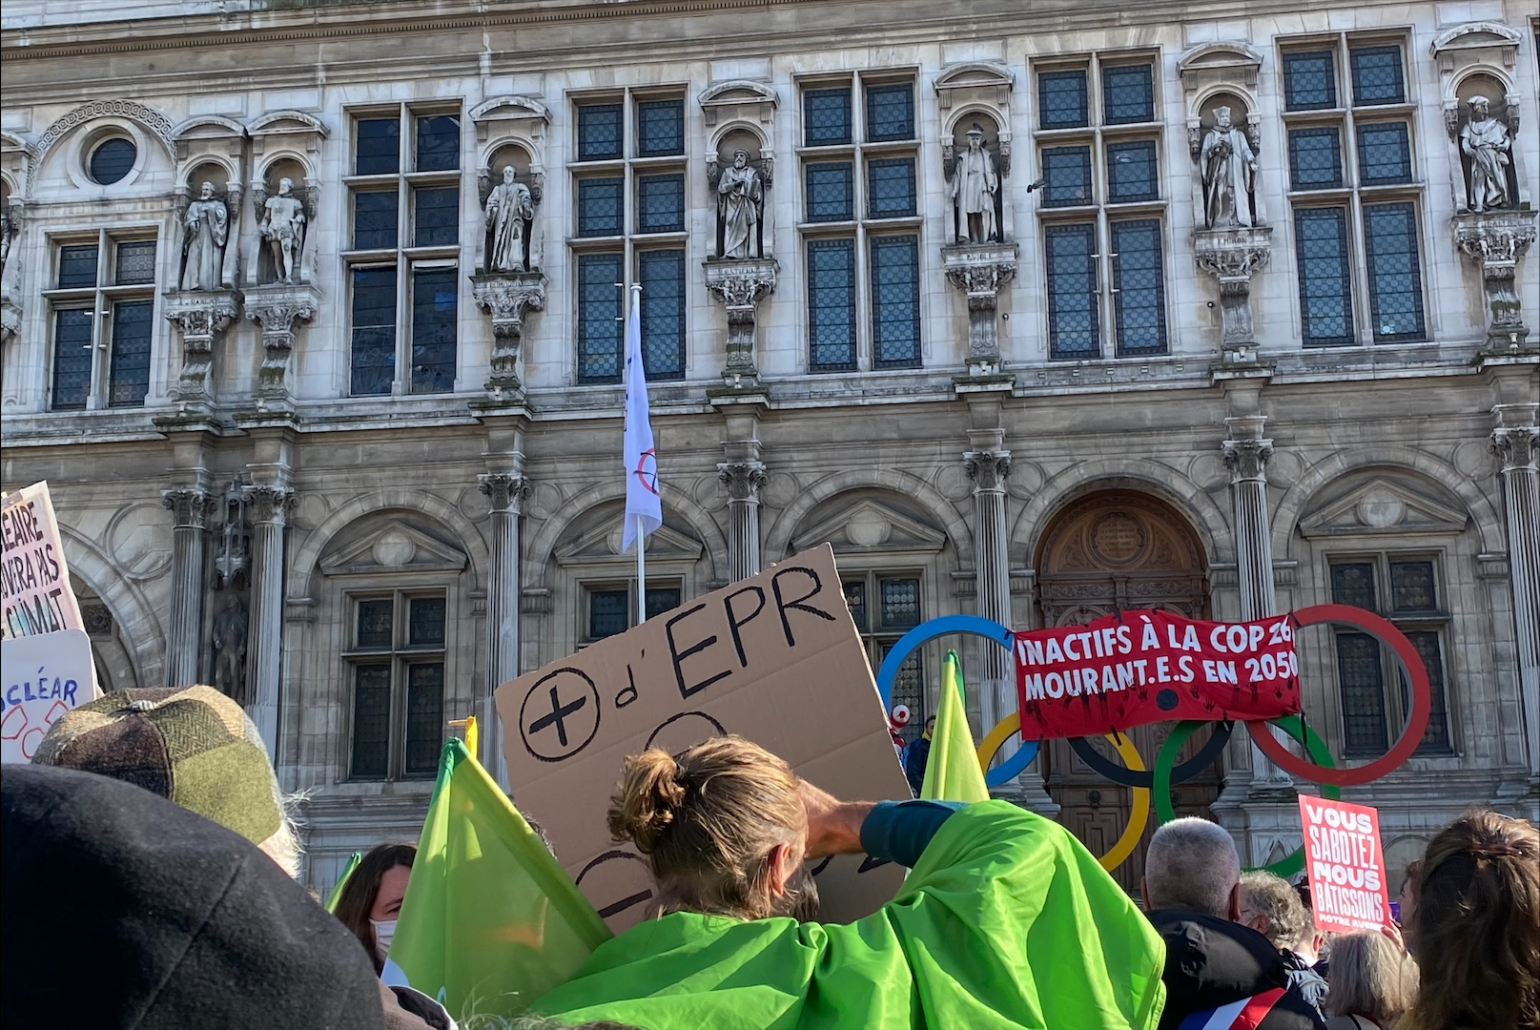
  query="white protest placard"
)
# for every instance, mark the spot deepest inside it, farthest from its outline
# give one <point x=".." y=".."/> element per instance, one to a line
<point x="775" y="658"/>
<point x="35" y="592"/>
<point x="41" y="677"/>
<point x="1346" y="865"/>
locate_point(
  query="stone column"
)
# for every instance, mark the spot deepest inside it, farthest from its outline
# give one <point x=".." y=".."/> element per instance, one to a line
<point x="743" y="479"/>
<point x="505" y="493"/>
<point x="987" y="468"/>
<point x="190" y="508"/>
<point x="1515" y="441"/>
<point x="268" y="508"/>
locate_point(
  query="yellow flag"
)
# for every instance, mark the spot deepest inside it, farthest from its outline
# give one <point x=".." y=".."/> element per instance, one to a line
<point x="952" y="772"/>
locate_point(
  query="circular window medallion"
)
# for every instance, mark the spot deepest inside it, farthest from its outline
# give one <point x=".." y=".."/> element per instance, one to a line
<point x="112" y="159"/>
<point x="1117" y="538"/>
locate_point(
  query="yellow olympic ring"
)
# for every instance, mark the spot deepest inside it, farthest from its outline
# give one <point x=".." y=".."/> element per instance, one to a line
<point x="1137" y="819"/>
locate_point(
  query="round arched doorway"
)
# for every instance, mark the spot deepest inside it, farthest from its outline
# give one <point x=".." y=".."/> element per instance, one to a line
<point x="1110" y="551"/>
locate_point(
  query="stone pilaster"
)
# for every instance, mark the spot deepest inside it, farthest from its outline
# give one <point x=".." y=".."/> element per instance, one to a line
<point x="267" y="507"/>
<point x="740" y="284"/>
<point x="505" y="492"/>
<point x="1516" y="441"/>
<point x="506" y="296"/>
<point x="190" y="508"/>
<point x="743" y="479"/>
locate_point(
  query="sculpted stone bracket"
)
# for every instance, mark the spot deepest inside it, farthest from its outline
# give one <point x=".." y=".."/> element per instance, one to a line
<point x="202" y="316"/>
<point x="740" y="285"/>
<point x="1495" y="241"/>
<point x="506" y="296"/>
<point x="279" y="310"/>
<point x="980" y="271"/>
<point x="1232" y="256"/>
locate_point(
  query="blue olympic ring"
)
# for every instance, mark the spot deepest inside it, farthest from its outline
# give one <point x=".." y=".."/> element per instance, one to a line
<point x="925" y="632"/>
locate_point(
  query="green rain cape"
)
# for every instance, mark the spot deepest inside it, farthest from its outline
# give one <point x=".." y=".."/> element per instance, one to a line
<point x="1005" y="921"/>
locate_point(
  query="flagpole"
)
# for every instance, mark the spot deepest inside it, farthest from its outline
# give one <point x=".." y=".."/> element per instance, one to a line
<point x="641" y="537"/>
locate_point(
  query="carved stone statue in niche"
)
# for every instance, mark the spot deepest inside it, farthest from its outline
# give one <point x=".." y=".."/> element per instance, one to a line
<point x="509" y="209"/>
<point x="207" y="222"/>
<point x="230" y="627"/>
<point x="283" y="227"/>
<point x="973" y="188"/>
<point x="1486" y="143"/>
<point x="739" y="196"/>
<point x="1229" y="174"/>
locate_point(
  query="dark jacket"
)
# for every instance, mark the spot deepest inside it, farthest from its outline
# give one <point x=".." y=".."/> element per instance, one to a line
<point x="1212" y="962"/>
<point x="915" y="760"/>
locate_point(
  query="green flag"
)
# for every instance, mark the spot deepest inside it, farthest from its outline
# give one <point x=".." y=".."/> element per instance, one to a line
<point x="952" y="772"/>
<point x="342" y="881"/>
<point x="490" y="921"/>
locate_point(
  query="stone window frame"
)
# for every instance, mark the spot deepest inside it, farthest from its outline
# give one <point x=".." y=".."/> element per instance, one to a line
<point x="587" y="588"/>
<point x="400" y="655"/>
<point x="877" y="637"/>
<point x="1359" y="201"/>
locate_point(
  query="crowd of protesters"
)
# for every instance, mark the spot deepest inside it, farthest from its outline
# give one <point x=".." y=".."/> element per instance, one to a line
<point x="149" y="865"/>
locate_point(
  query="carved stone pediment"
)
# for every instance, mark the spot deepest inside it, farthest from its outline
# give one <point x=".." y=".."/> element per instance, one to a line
<point x="393" y="547"/>
<point x="870" y="525"/>
<point x="1383" y="504"/>
<point x="600" y="544"/>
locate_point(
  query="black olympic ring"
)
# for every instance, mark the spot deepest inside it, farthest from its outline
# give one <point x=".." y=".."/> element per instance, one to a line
<point x="1146" y="778"/>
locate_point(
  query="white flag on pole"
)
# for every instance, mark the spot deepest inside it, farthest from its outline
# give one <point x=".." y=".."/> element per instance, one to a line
<point x="644" y="506"/>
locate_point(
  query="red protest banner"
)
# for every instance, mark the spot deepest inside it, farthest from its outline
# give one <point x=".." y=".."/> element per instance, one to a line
<point x="1346" y="864"/>
<point x="1140" y="667"/>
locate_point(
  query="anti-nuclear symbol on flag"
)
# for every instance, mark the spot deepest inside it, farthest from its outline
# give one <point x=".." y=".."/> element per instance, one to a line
<point x="646" y="471"/>
<point x="560" y="715"/>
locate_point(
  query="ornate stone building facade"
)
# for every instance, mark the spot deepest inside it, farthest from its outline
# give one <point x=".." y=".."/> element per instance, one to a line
<point x="312" y="322"/>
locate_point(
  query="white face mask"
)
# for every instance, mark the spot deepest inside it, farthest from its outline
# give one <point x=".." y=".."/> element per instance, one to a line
<point x="384" y="930"/>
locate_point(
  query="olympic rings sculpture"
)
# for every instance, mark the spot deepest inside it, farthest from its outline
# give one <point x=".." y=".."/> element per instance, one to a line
<point x="1158" y="781"/>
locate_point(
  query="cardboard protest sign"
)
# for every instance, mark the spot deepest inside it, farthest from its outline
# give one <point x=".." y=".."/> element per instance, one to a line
<point x="35" y="593"/>
<point x="1140" y="667"/>
<point x="44" y="676"/>
<point x="1346" y="864"/>
<point x="775" y="658"/>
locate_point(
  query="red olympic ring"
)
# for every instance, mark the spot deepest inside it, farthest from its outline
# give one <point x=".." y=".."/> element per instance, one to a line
<point x="1416" y="723"/>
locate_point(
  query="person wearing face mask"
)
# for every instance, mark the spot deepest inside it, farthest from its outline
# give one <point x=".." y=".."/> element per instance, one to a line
<point x="371" y="898"/>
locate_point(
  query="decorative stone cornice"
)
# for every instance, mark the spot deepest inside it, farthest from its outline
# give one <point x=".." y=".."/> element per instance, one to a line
<point x="987" y="469"/>
<point x="189" y="507"/>
<point x="505" y="491"/>
<point x="1496" y="240"/>
<point x="743" y="479"/>
<point x="279" y="309"/>
<point x="506" y="296"/>
<point x="981" y="270"/>
<point x="270" y="504"/>
<point x="202" y="317"/>
<point x="740" y="285"/>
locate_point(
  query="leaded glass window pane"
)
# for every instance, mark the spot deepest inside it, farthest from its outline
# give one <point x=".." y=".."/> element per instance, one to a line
<point x="599" y="318"/>
<point x="374" y="221"/>
<point x="608" y="613"/>
<point x="376" y="621"/>
<point x="1377" y="75"/>
<point x="136" y="263"/>
<point x="599" y="132"/>
<point x="371" y="722"/>
<point x="896" y="301"/>
<point x="855" y="600"/>
<point x="826" y="117"/>
<point x="424" y="719"/>
<point x="1067" y="175"/>
<point x="77" y="266"/>
<point x="1384" y="154"/>
<point x="1061" y="100"/>
<point x="72" y="357"/>
<point x="661" y="600"/>
<point x="113" y="160"/>
<point x="1353" y="583"/>
<point x="1132" y="172"/>
<point x="378" y="146"/>
<point x="600" y="203"/>
<point x="831" y="301"/>
<point x="660" y="203"/>
<point x="438" y="143"/>
<point x="129" y="378"/>
<point x="374" y="331"/>
<point x="1435" y="739"/>
<point x="1128" y="94"/>
<point x="890" y="187"/>
<point x="1073" y="330"/>
<point x="1361" y="681"/>
<point x="890" y="112"/>
<point x="1395" y="273"/>
<point x="659" y="128"/>
<point x="1412" y="588"/>
<point x="908" y="689"/>
<point x="435" y="307"/>
<point x="1325" y="298"/>
<point x="425" y="622"/>
<point x="830" y="192"/>
<point x="1315" y="158"/>
<point x="1138" y="279"/>
<point x="662" y="279"/>
<point x="437" y="222"/>
<point x="1310" y="80"/>
<point x="900" y="603"/>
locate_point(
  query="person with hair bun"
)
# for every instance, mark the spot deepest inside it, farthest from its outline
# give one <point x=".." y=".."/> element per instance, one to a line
<point x="1005" y="919"/>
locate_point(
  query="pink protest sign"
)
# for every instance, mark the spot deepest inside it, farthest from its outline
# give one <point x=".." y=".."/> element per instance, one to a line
<point x="1346" y="865"/>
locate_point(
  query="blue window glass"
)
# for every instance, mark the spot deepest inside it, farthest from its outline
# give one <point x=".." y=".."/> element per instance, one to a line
<point x="1073" y="324"/>
<point x="1310" y="80"/>
<point x="378" y="146"/>
<point x="600" y="132"/>
<point x="129" y="378"/>
<point x="660" y="203"/>
<point x="77" y="266"/>
<point x="1128" y="94"/>
<point x="826" y="117"/>
<point x="890" y="112"/>
<point x="608" y="613"/>
<point x="371" y="721"/>
<point x="435" y="305"/>
<point x="1315" y="158"/>
<point x="1067" y="175"/>
<point x="659" y="128"/>
<point x="72" y="358"/>
<point x="890" y="187"/>
<point x="438" y="143"/>
<point x="374" y="331"/>
<point x="830" y="192"/>
<point x="661" y="274"/>
<point x="895" y="302"/>
<point x="1132" y="172"/>
<point x="600" y="203"/>
<point x="437" y="221"/>
<point x="1395" y="273"/>
<point x="599" y="317"/>
<point x="831" y="302"/>
<point x="1061" y="100"/>
<point x="112" y="160"/>
<point x="1361" y="684"/>
<point x="135" y="263"/>
<point x="1377" y="75"/>
<point x="1139" y="285"/>
<point x="1325" y="298"/>
<point x="424" y="720"/>
<point x="374" y="221"/>
<point x="1435" y="739"/>
<point x="1384" y="154"/>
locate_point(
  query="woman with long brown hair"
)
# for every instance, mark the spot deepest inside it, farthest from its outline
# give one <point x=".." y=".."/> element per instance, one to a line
<point x="372" y="897"/>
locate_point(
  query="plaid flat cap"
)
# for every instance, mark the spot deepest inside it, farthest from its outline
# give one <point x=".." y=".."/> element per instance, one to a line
<point x="193" y="745"/>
